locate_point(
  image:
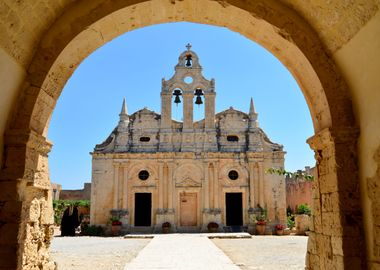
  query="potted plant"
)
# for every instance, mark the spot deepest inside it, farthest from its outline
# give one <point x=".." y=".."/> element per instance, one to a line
<point x="166" y="227"/>
<point x="212" y="227"/>
<point x="115" y="226"/>
<point x="261" y="223"/>
<point x="279" y="229"/>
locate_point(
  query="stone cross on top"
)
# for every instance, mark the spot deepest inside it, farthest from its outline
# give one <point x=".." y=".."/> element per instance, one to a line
<point x="188" y="46"/>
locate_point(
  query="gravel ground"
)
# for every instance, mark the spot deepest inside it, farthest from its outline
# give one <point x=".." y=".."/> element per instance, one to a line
<point x="266" y="252"/>
<point x="95" y="253"/>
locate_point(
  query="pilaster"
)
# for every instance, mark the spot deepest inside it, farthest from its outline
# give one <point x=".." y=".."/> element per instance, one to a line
<point x="188" y="110"/>
<point x="251" y="196"/>
<point x="166" y="109"/>
<point x="26" y="214"/>
<point x="337" y="228"/>
<point x="261" y="198"/>
<point x="209" y="110"/>
<point x="116" y="185"/>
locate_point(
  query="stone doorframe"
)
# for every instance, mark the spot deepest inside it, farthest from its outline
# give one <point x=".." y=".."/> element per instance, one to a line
<point x="337" y="239"/>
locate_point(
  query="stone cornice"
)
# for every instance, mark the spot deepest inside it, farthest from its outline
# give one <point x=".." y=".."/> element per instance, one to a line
<point x="31" y="140"/>
<point x="207" y="156"/>
<point x="327" y="137"/>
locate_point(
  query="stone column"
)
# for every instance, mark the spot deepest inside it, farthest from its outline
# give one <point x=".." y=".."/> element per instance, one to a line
<point x="251" y="195"/>
<point x="256" y="184"/>
<point x="336" y="240"/>
<point x="216" y="186"/>
<point x="121" y="186"/>
<point x="206" y="200"/>
<point x="125" y="195"/>
<point x="210" y="170"/>
<point x="261" y="185"/>
<point x="170" y="186"/>
<point x="165" y="185"/>
<point x="161" y="185"/>
<point x="115" y="185"/>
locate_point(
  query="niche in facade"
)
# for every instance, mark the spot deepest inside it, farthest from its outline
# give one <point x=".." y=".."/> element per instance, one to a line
<point x="144" y="139"/>
<point x="232" y="138"/>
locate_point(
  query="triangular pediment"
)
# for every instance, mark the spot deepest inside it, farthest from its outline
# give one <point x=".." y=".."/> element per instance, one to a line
<point x="188" y="182"/>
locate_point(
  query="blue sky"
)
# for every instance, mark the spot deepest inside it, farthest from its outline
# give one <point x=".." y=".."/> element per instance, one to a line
<point x="133" y="65"/>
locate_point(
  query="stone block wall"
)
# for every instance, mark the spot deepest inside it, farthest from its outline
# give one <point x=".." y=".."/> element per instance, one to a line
<point x="299" y="191"/>
<point x="76" y="194"/>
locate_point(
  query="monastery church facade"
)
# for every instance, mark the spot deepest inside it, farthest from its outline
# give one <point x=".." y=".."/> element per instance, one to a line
<point x="153" y="169"/>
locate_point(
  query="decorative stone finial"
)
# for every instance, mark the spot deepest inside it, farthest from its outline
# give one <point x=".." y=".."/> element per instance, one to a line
<point x="124" y="113"/>
<point x="252" y="115"/>
<point x="188" y="46"/>
<point x="124" y="108"/>
<point x="251" y="108"/>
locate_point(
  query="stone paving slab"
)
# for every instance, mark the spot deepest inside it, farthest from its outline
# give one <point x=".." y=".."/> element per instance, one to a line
<point x="181" y="251"/>
<point x="266" y="252"/>
<point x="238" y="235"/>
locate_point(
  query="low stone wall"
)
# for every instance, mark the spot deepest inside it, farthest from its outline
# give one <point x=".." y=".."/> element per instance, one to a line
<point x="302" y="223"/>
<point x="77" y="194"/>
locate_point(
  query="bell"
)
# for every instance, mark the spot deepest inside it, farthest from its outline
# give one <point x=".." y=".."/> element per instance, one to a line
<point x="198" y="100"/>
<point x="188" y="61"/>
<point x="198" y="92"/>
<point x="177" y="92"/>
<point x="177" y="99"/>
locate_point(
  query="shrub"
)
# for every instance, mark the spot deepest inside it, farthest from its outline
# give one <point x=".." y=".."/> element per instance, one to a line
<point x="303" y="209"/>
<point x="59" y="207"/>
<point x="91" y="230"/>
<point x="291" y="222"/>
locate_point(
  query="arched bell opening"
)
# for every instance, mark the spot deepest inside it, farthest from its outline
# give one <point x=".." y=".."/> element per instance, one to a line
<point x="199" y="104"/>
<point x="177" y="104"/>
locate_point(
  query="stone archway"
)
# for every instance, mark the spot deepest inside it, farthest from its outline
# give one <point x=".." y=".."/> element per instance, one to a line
<point x="337" y="238"/>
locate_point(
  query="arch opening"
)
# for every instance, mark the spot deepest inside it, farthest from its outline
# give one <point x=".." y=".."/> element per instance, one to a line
<point x="294" y="43"/>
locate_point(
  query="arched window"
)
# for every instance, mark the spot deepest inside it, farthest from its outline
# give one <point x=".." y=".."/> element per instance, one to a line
<point x="199" y="104"/>
<point x="189" y="61"/>
<point x="177" y="111"/>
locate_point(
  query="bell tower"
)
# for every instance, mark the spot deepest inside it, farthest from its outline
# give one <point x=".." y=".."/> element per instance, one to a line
<point x="187" y="83"/>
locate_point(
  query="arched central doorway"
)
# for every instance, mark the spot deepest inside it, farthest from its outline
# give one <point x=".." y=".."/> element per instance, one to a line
<point x="82" y="29"/>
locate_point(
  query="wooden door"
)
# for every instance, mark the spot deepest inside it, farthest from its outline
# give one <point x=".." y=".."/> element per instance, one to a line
<point x="188" y="209"/>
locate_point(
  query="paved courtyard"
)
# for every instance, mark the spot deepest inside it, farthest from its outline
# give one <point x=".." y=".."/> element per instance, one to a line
<point x="266" y="252"/>
<point x="95" y="253"/>
<point x="179" y="251"/>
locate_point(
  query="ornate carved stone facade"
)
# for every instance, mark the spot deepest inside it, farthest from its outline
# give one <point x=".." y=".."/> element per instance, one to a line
<point x="155" y="169"/>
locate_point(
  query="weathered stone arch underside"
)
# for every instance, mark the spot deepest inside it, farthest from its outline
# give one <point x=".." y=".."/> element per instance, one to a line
<point x="337" y="240"/>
